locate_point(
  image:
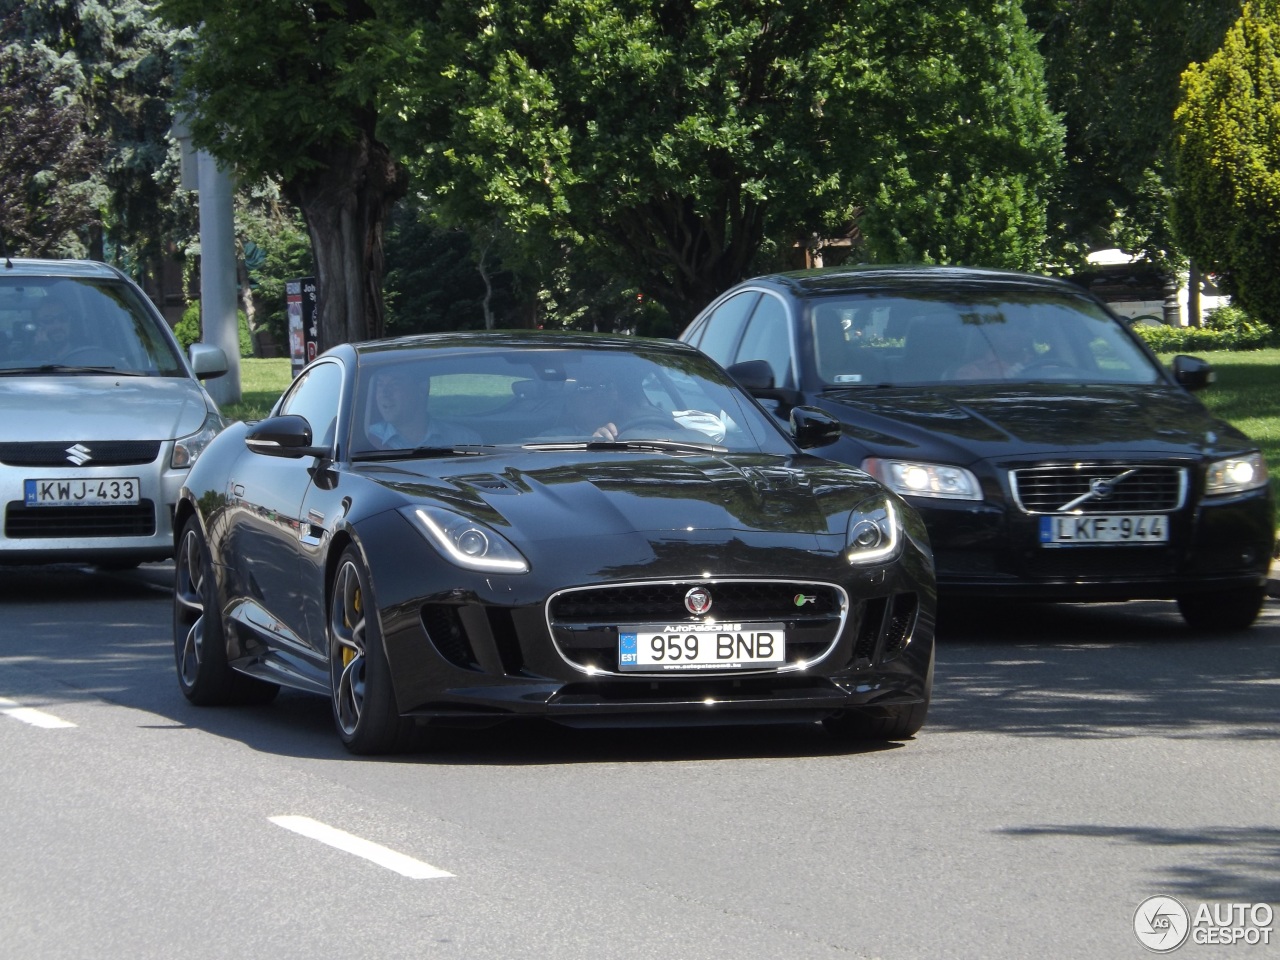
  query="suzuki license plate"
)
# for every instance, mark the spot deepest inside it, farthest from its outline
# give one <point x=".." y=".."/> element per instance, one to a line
<point x="99" y="492"/>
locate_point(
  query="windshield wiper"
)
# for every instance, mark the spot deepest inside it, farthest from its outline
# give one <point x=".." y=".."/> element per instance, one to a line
<point x="667" y="446"/>
<point x="67" y="368"/>
<point x="855" y="387"/>
<point x="424" y="453"/>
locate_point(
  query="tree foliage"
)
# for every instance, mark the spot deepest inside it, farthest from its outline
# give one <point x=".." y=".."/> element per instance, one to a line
<point x="47" y="156"/>
<point x="1227" y="210"/>
<point x="675" y="143"/>
<point x="966" y="150"/>
<point x="1113" y="69"/>
<point x="107" y="61"/>
<point x="292" y="90"/>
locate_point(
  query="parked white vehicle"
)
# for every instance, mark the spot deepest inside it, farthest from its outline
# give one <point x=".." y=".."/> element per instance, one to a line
<point x="1139" y="292"/>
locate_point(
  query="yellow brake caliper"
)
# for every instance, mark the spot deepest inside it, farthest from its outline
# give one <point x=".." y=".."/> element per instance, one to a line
<point x="347" y="653"/>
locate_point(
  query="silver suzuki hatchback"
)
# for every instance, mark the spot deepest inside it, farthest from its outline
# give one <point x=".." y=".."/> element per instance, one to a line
<point x="101" y="415"/>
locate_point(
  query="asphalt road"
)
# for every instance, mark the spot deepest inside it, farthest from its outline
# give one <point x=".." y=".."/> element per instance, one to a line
<point x="1077" y="761"/>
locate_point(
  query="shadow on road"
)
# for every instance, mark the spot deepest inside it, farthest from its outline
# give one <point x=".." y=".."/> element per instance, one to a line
<point x="1039" y="670"/>
<point x="1235" y="864"/>
<point x="1104" y="670"/>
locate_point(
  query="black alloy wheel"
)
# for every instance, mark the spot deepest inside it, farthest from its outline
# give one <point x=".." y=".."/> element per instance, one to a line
<point x="364" y="705"/>
<point x="199" y="638"/>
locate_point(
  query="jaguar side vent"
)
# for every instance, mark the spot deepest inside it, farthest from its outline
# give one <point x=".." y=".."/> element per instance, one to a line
<point x="444" y="629"/>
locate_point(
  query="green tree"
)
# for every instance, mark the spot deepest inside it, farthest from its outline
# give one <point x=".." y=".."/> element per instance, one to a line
<point x="275" y="249"/>
<point x="1227" y="208"/>
<point x="109" y="59"/>
<point x="292" y="91"/>
<point x="1113" y="69"/>
<point x="964" y="148"/>
<point x="47" y="157"/>
<point x="437" y="280"/>
<point x="681" y="144"/>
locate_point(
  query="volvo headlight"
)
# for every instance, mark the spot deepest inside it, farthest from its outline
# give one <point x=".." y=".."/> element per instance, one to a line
<point x="1235" y="475"/>
<point x="875" y="533"/>
<point x="465" y="542"/>
<point x="187" y="449"/>
<point x="912" y="479"/>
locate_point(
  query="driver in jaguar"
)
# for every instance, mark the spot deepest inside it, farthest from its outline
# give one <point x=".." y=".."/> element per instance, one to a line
<point x="622" y="406"/>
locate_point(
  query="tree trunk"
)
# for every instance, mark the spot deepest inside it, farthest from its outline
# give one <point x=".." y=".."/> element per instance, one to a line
<point x="246" y="301"/>
<point x="346" y="204"/>
<point x="1193" y="295"/>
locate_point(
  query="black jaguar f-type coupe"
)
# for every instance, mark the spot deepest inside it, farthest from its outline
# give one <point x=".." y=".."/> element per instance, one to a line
<point x="472" y="528"/>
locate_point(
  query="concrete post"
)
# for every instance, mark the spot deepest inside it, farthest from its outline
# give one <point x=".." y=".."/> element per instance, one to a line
<point x="218" y="275"/>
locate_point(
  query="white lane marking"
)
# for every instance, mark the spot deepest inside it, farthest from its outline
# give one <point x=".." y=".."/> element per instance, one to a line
<point x="406" y="866"/>
<point x="37" y="718"/>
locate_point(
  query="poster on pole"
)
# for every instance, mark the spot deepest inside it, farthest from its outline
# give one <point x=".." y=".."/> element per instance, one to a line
<point x="304" y="338"/>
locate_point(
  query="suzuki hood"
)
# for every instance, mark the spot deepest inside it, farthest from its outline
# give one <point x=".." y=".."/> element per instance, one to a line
<point x="84" y="408"/>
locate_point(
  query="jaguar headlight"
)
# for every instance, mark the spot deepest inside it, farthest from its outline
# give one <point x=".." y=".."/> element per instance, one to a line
<point x="875" y="532"/>
<point x="1235" y="475"/>
<point x="187" y="449"/>
<point x="912" y="479"/>
<point x="465" y="542"/>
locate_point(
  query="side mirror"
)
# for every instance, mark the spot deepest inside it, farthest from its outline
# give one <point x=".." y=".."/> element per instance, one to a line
<point x="756" y="377"/>
<point x="1192" y="372"/>
<point x="207" y="361"/>
<point x="285" y="436"/>
<point x="811" y="427"/>
<point x="753" y="375"/>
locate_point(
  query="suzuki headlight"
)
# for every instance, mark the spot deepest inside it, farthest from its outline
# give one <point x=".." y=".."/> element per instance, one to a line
<point x="911" y="479"/>
<point x="187" y="449"/>
<point x="466" y="542"/>
<point x="1235" y="475"/>
<point x="875" y="533"/>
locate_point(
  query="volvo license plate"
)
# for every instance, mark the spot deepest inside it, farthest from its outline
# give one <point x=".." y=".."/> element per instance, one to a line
<point x="98" y="492"/>
<point x="1101" y="530"/>
<point x="659" y="647"/>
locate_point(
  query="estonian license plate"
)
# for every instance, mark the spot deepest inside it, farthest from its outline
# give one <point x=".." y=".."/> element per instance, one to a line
<point x="98" y="492"/>
<point x="1091" y="530"/>
<point x="658" y="647"/>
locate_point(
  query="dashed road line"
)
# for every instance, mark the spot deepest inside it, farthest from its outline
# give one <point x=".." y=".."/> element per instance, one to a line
<point x="376" y="853"/>
<point x="37" y="718"/>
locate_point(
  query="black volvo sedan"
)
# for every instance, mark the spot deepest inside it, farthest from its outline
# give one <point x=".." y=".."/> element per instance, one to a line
<point x="472" y="528"/>
<point x="1051" y="454"/>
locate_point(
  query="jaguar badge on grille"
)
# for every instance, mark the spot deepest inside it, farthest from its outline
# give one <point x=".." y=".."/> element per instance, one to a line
<point x="697" y="601"/>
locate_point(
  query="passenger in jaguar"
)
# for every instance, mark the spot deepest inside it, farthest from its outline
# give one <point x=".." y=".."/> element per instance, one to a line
<point x="402" y="402"/>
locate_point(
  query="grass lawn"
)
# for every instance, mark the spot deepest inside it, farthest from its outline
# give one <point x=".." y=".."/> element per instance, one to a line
<point x="1246" y="394"/>
<point x="261" y="383"/>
